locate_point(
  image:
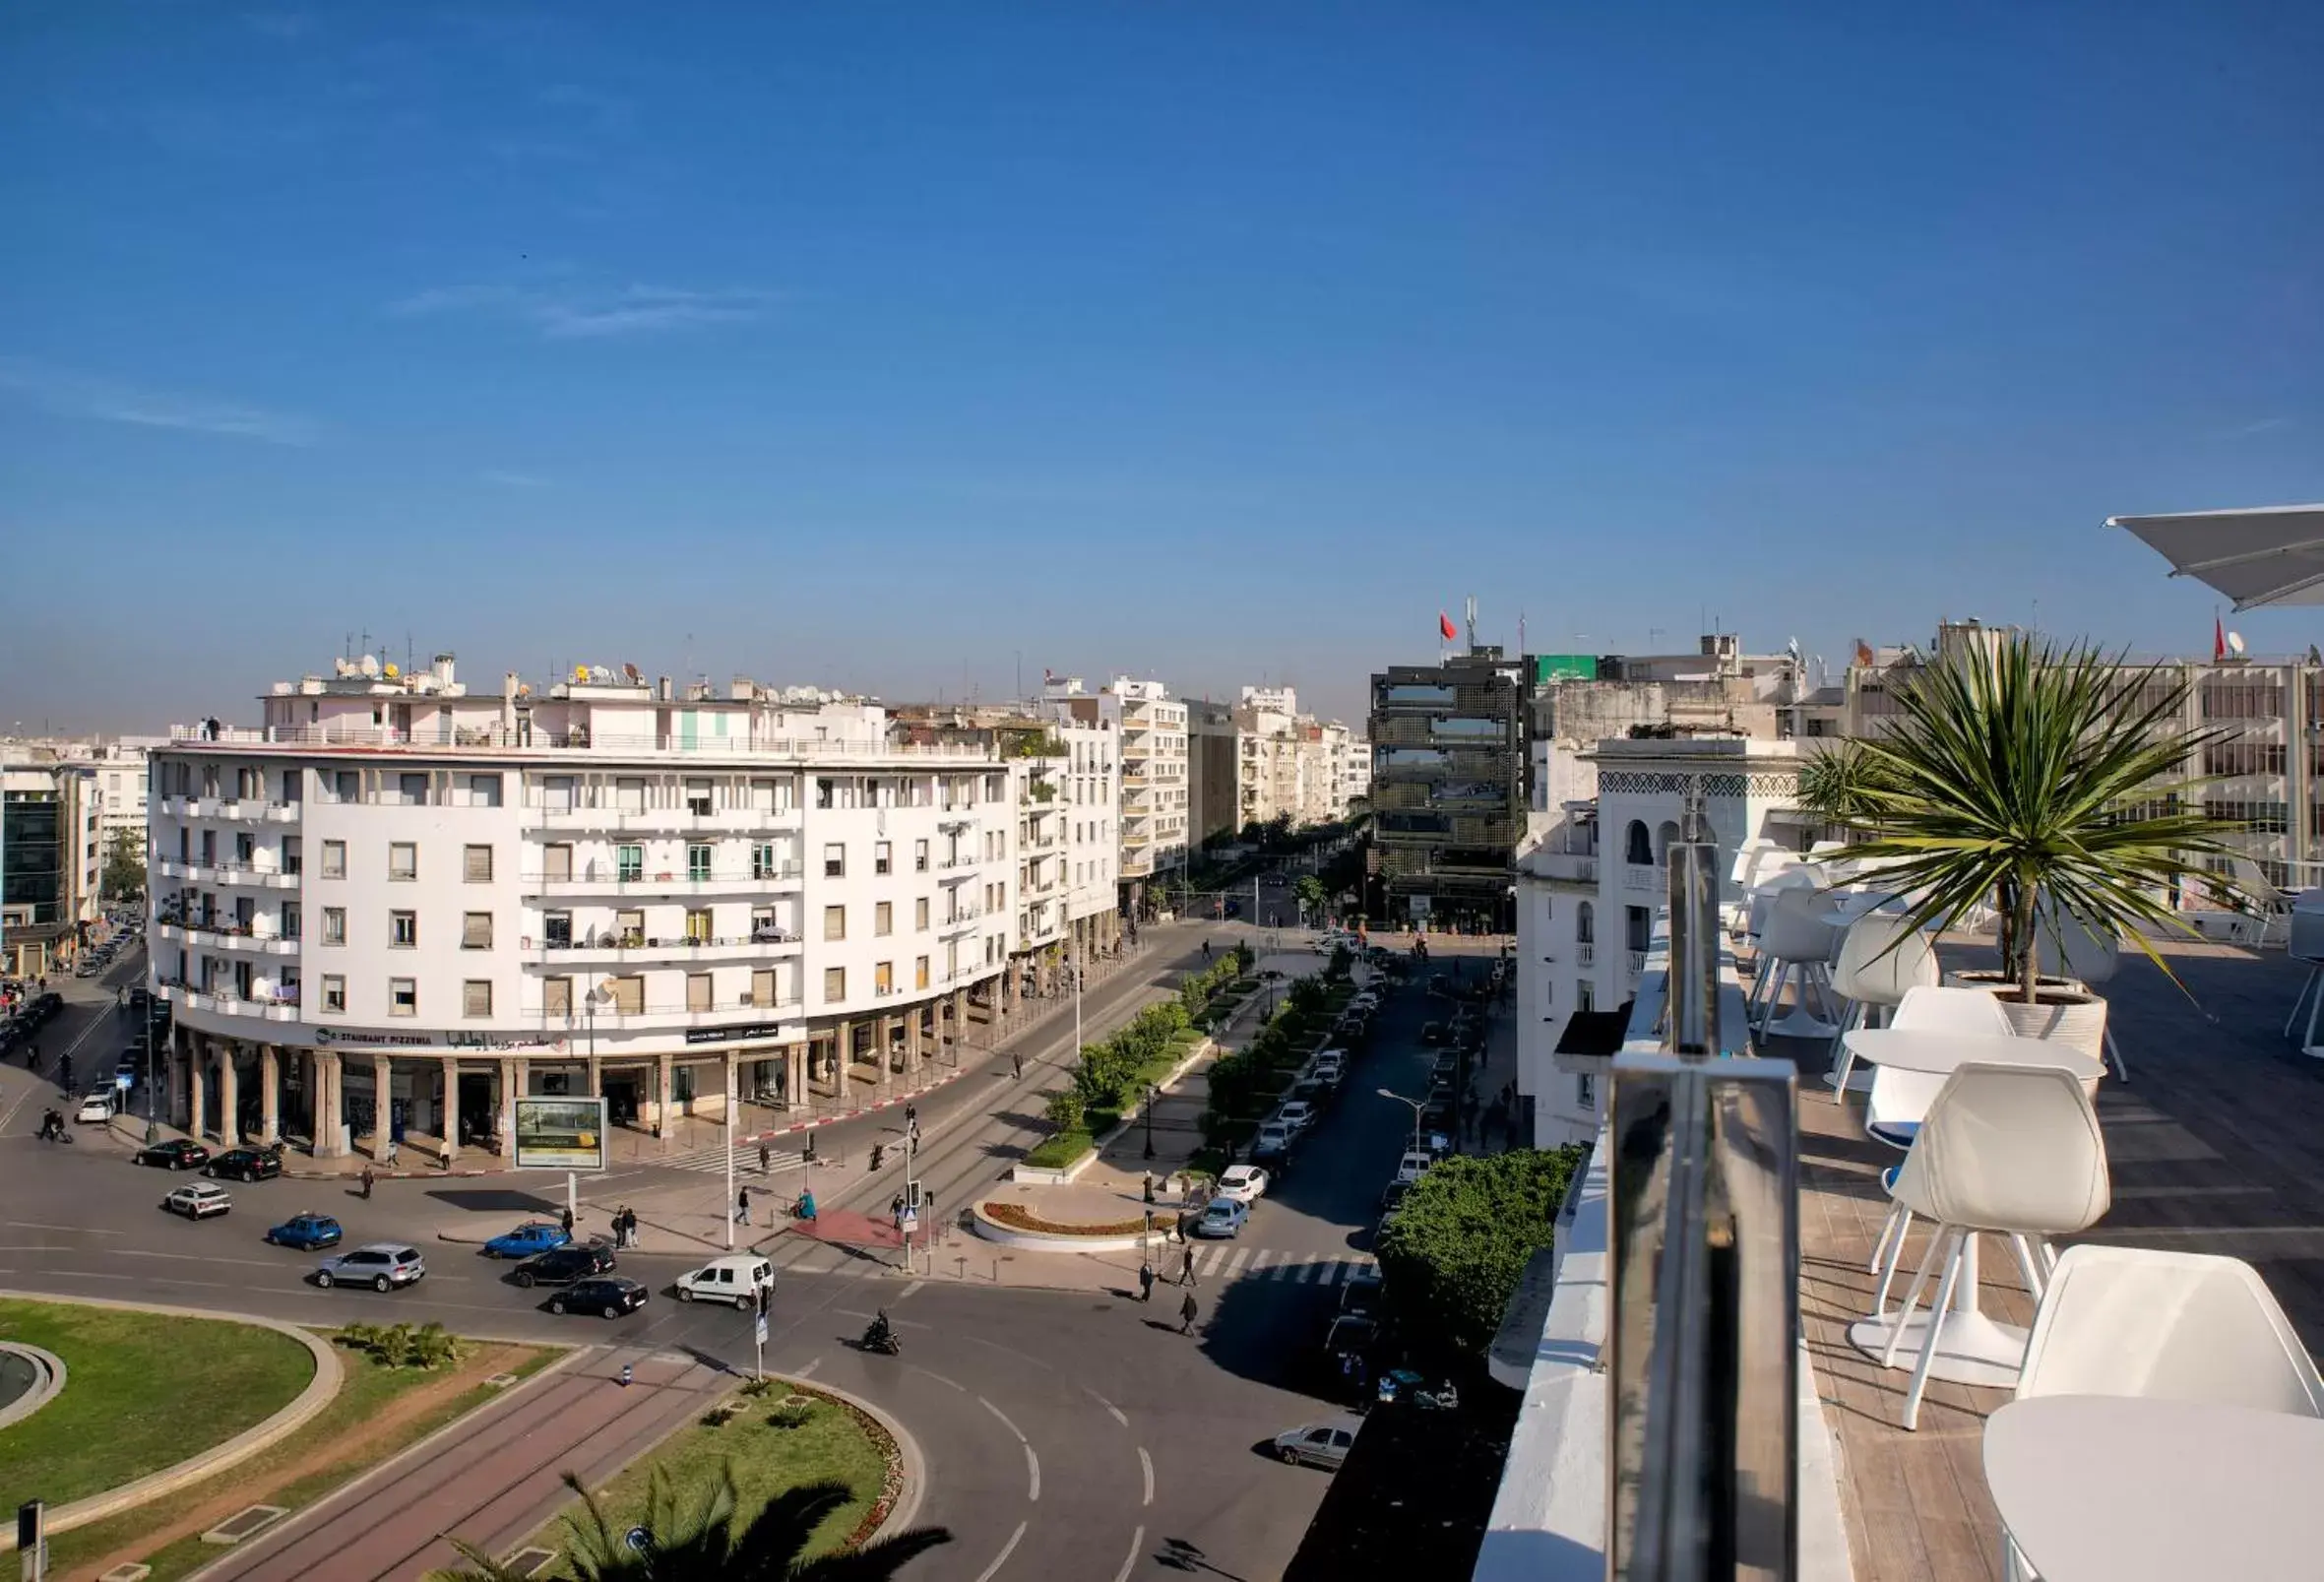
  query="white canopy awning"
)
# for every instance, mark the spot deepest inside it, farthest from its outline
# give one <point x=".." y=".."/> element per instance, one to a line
<point x="2272" y="554"/>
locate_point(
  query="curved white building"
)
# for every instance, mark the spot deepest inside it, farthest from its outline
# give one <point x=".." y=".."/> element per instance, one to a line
<point x="391" y="891"/>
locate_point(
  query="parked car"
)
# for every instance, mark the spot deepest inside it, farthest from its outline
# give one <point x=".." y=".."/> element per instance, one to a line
<point x="1394" y="1192"/>
<point x="561" y="1266"/>
<point x="1351" y="1334"/>
<point x="608" y="1295"/>
<point x="1319" y="1445"/>
<point x="177" y="1154"/>
<point x="1414" y="1164"/>
<point x="381" y="1265"/>
<point x="98" y="1107"/>
<point x="1273" y="1141"/>
<point x="1360" y="1292"/>
<point x="1222" y="1220"/>
<point x="1243" y="1183"/>
<point x="736" y="1278"/>
<point x="1431" y="1031"/>
<point x="245" y="1165"/>
<point x="532" y="1237"/>
<point x="306" y="1233"/>
<point x="1298" y="1114"/>
<point x="198" y="1200"/>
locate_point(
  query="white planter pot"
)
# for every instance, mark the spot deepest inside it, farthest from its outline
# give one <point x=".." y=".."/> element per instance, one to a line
<point x="2065" y="1012"/>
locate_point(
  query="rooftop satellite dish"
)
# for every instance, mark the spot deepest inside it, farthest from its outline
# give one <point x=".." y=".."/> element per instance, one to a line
<point x="2236" y="644"/>
<point x="370" y="666"/>
<point x="630" y="671"/>
<point x="580" y="673"/>
<point x="600" y="675"/>
<point x="392" y="671"/>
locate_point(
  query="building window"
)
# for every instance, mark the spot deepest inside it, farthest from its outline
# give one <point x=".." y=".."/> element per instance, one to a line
<point x="919" y="856"/>
<point x="403" y="860"/>
<point x="334" y="926"/>
<point x="335" y="994"/>
<point x="697" y="861"/>
<point x="834" y="985"/>
<point x="335" y="860"/>
<point x="1586" y="1092"/>
<point x="483" y="791"/>
<point x="475" y="931"/>
<point x="882" y="918"/>
<point x="556" y="930"/>
<point x="762" y="861"/>
<point x="698" y="797"/>
<point x="402" y="996"/>
<point x="556" y="862"/>
<point x="476" y="864"/>
<point x="835" y="860"/>
<point x="556" y="996"/>
<point x="697" y="991"/>
<point x="629" y="863"/>
<point x="1585" y="924"/>
<point x="762" y="987"/>
<point x="290" y="919"/>
<point x="834" y="923"/>
<point x="919" y="972"/>
<point x="919" y="914"/>
<point x="475" y="997"/>
<point x="698" y="925"/>
<point x="629" y="994"/>
<point x="1585" y="996"/>
<point x="290" y="853"/>
<point x="404" y="929"/>
<point x="882" y="857"/>
<point x="883" y="977"/>
<point x="629" y="928"/>
<point x="411" y="789"/>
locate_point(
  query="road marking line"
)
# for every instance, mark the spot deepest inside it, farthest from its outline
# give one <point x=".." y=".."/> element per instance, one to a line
<point x="1260" y="1263"/>
<point x="35" y="1225"/>
<point x="1146" y="1471"/>
<point x="908" y="1290"/>
<point x="808" y="1371"/>
<point x="1004" y="1417"/>
<point x="1307" y="1273"/>
<point x="1002" y="1558"/>
<point x="938" y="1377"/>
<point x="1333" y="1271"/>
<point x="1137" y="1542"/>
<point x="1032" y="1468"/>
<point x="1234" y="1262"/>
<point x="1117" y="1413"/>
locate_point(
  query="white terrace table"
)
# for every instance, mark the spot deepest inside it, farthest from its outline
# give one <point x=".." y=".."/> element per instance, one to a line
<point x="2106" y="1488"/>
<point x="1971" y="1349"/>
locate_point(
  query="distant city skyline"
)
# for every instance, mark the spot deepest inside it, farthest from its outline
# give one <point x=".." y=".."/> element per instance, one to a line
<point x="871" y="347"/>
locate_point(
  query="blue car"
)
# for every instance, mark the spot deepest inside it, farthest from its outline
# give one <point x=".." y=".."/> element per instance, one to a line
<point x="306" y="1231"/>
<point x="536" y="1235"/>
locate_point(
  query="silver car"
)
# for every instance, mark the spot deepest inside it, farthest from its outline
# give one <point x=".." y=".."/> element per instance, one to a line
<point x="382" y="1265"/>
<point x="1319" y="1445"/>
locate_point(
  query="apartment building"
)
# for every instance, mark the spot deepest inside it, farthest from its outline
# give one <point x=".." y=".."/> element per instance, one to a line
<point x="1211" y="772"/>
<point x="391" y="906"/>
<point x="1156" y="801"/>
<point x="1449" y="778"/>
<point x="1590" y="878"/>
<point x="1577" y="700"/>
<point x="1089" y="809"/>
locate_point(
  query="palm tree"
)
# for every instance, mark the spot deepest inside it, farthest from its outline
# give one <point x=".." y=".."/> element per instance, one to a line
<point x="2032" y="775"/>
<point x="1833" y="785"/>
<point x="706" y="1543"/>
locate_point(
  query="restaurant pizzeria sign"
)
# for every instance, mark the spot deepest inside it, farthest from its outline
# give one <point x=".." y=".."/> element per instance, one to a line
<point x="444" y="1043"/>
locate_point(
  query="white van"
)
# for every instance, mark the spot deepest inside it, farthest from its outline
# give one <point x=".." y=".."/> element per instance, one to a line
<point x="737" y="1278"/>
<point x="1413" y="1166"/>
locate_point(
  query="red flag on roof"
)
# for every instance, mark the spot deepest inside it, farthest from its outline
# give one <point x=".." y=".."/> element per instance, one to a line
<point x="1444" y="624"/>
<point x="2219" y="639"/>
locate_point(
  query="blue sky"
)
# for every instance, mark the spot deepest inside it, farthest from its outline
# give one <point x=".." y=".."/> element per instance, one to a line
<point x="879" y="345"/>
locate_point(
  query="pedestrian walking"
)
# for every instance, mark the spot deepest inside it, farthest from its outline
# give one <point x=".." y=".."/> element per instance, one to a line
<point x="621" y="1226"/>
<point x="1188" y="1311"/>
<point x="911" y="1119"/>
<point x="742" y="1206"/>
<point x="566" y="1220"/>
<point x="764" y="1156"/>
<point x="1186" y="1270"/>
<point x="1144" y="1282"/>
<point x="896" y="1209"/>
<point x="367" y="1180"/>
<point x="1017" y="1063"/>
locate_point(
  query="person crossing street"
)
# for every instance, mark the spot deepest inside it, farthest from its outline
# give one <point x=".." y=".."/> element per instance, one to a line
<point x="1145" y="1281"/>
<point x="1186" y="1270"/>
<point x="742" y="1205"/>
<point x="1188" y="1311"/>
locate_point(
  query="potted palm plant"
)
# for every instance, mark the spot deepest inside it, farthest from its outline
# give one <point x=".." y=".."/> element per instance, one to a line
<point x="2027" y="778"/>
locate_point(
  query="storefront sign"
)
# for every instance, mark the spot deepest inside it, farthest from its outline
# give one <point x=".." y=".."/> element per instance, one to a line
<point x="729" y="1034"/>
<point x="444" y="1043"/>
<point x="560" y="1133"/>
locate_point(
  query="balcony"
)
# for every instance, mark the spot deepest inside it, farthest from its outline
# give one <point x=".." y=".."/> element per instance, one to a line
<point x="1586" y="954"/>
<point x="556" y="818"/>
<point x="236" y="938"/>
<point x="608" y="949"/>
<point x="959" y="922"/>
<point x="602" y="879"/>
<point x="196" y="872"/>
<point x="1634" y="967"/>
<point x="742" y="1012"/>
<point x="279" y="1006"/>
<point x="1639" y="878"/>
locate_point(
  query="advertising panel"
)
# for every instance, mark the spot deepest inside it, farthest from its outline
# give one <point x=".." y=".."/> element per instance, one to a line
<point x="558" y="1132"/>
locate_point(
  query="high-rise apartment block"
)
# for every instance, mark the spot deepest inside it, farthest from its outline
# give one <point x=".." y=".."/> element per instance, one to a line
<point x="1449" y="785"/>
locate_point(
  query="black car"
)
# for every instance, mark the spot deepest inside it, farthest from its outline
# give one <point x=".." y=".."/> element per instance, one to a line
<point x="561" y="1266"/>
<point x="608" y="1295"/>
<point x="178" y="1154"/>
<point x="245" y="1165"/>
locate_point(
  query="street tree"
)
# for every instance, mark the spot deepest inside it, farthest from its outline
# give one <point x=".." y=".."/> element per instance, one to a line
<point x="125" y="868"/>
<point x="1453" y="1256"/>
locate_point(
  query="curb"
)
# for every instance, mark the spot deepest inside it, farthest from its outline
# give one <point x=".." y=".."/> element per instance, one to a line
<point x="317" y="1395"/>
<point x="916" y="1465"/>
<point x="566" y="1357"/>
<point x="53" y="1378"/>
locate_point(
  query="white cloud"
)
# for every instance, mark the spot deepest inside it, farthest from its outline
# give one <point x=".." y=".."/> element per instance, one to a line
<point x="80" y="394"/>
<point x="569" y="315"/>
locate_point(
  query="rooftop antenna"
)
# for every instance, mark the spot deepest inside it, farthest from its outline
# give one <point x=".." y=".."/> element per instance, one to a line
<point x="1472" y="622"/>
<point x="1520" y="633"/>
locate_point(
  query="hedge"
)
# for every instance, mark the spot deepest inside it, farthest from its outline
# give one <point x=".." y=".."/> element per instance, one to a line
<point x="1460" y="1242"/>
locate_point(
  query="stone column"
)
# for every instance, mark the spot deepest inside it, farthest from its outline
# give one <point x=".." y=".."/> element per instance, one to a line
<point x="230" y="1098"/>
<point x="663" y="1109"/>
<point x="503" y="1125"/>
<point x="795" y="1077"/>
<point x="180" y="1070"/>
<point x="381" y="1105"/>
<point x="883" y="1037"/>
<point x="197" y="1084"/>
<point x="843" y="1045"/>
<point x="270" y="1094"/>
<point x="959" y="1022"/>
<point x="449" y="1122"/>
<point x="330" y="1103"/>
<point x="911" y="1040"/>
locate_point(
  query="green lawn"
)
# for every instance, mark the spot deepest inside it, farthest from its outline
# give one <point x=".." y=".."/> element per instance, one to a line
<point x="830" y="1447"/>
<point x="143" y="1391"/>
<point x="369" y="1390"/>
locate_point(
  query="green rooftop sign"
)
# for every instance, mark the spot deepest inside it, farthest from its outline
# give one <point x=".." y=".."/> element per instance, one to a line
<point x="1564" y="667"/>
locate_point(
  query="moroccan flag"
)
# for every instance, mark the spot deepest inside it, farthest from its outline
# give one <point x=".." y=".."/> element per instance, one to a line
<point x="2219" y="639"/>
<point x="1444" y="624"/>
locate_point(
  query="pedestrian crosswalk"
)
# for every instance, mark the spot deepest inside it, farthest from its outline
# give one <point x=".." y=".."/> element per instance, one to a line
<point x="1220" y="1262"/>
<point x="712" y="1160"/>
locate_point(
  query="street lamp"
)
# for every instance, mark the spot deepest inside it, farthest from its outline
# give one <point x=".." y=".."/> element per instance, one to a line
<point x="1417" y="1106"/>
<point x="1152" y="1093"/>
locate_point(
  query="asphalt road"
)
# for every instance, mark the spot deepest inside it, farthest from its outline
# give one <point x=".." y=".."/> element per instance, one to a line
<point x="1072" y="1435"/>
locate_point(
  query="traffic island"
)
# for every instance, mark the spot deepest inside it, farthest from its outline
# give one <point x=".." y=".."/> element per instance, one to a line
<point x="1069" y="1219"/>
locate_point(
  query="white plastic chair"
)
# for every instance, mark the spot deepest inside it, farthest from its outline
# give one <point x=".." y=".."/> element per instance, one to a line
<point x="2084" y="952"/>
<point x="1797" y="945"/>
<point x="2273" y="924"/>
<point x="2005" y="1148"/>
<point x="1881" y="961"/>
<point x="2168" y="1327"/>
<point x="1761" y="905"/>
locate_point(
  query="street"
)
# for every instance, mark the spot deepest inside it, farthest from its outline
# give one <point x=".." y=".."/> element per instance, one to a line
<point x="1065" y="1434"/>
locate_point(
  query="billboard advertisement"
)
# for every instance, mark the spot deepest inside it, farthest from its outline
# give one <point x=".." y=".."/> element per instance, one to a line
<point x="557" y="1132"/>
